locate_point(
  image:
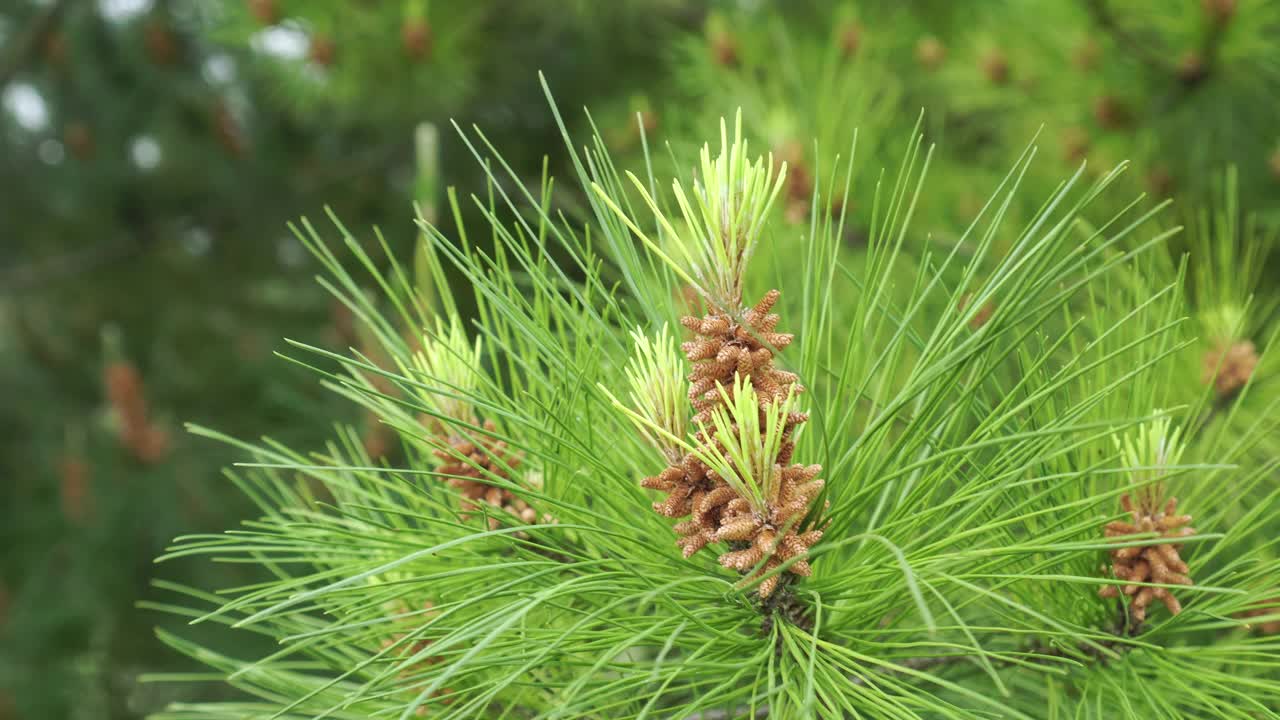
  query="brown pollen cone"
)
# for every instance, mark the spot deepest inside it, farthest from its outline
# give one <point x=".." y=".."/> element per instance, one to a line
<point x="1111" y="113"/>
<point x="1268" y="607"/>
<point x="1086" y="55"/>
<point x="415" y="648"/>
<point x="417" y="39"/>
<point x="79" y="140"/>
<point x="930" y="52"/>
<point x="1075" y="145"/>
<point x="322" y="51"/>
<point x="774" y="538"/>
<point x="1219" y="11"/>
<point x="724" y="49"/>
<point x="718" y="514"/>
<point x="227" y="130"/>
<point x="466" y="463"/>
<point x="996" y="67"/>
<point x="1229" y="367"/>
<point x="850" y="39"/>
<point x="162" y="46"/>
<point x="1150" y="563"/>
<point x="983" y="314"/>
<point x="125" y="392"/>
<point x="75" y="492"/>
<point x="726" y="345"/>
<point x="264" y="11"/>
<point x="1191" y="68"/>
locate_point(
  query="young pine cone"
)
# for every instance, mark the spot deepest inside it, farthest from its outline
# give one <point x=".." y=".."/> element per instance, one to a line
<point x="1229" y="367"/>
<point x="745" y="346"/>
<point x="466" y="463"/>
<point x="1150" y="563"/>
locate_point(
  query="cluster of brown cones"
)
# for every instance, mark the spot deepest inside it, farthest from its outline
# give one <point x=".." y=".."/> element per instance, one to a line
<point x="1149" y="563"/>
<point x="1229" y="366"/>
<point x="469" y="463"/>
<point x="138" y="434"/>
<point x="761" y="539"/>
<point x="744" y="346"/>
<point x="404" y="650"/>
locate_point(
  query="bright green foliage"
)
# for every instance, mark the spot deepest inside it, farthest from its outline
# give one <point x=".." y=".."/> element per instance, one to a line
<point x="965" y="399"/>
<point x="655" y="373"/>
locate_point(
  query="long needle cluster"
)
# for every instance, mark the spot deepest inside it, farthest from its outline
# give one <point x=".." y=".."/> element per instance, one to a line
<point x="734" y="481"/>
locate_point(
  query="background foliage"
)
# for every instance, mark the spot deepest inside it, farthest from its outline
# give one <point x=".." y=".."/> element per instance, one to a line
<point x="154" y="150"/>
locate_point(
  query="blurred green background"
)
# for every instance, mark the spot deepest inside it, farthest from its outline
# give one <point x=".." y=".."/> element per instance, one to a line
<point x="153" y="152"/>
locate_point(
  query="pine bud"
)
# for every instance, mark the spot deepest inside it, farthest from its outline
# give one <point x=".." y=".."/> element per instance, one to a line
<point x="322" y="50"/>
<point x="1229" y="366"/>
<point x="54" y="47"/>
<point x="1270" y="608"/>
<point x="799" y="184"/>
<point x="227" y="130"/>
<point x="79" y="140"/>
<point x="724" y="49"/>
<point x="721" y="41"/>
<point x="128" y="401"/>
<point x="1075" y="145"/>
<point x="4" y="612"/>
<point x="1274" y="163"/>
<point x="162" y="46"/>
<point x="1161" y="182"/>
<point x="996" y="67"/>
<point x="648" y="120"/>
<point x="1086" y="55"/>
<point x="930" y="52"/>
<point x="981" y="316"/>
<point x="74" y="490"/>
<point x="1191" y="68"/>
<point x="1111" y="113"/>
<point x="264" y="11"/>
<point x="1219" y="11"/>
<point x="850" y="39"/>
<point x="417" y="39"/>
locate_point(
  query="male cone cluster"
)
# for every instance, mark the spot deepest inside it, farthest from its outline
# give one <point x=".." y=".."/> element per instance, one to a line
<point x="138" y="433"/>
<point x="468" y="462"/>
<point x="725" y="346"/>
<point x="1229" y="367"/>
<point x="742" y="344"/>
<point x="1149" y="563"/>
